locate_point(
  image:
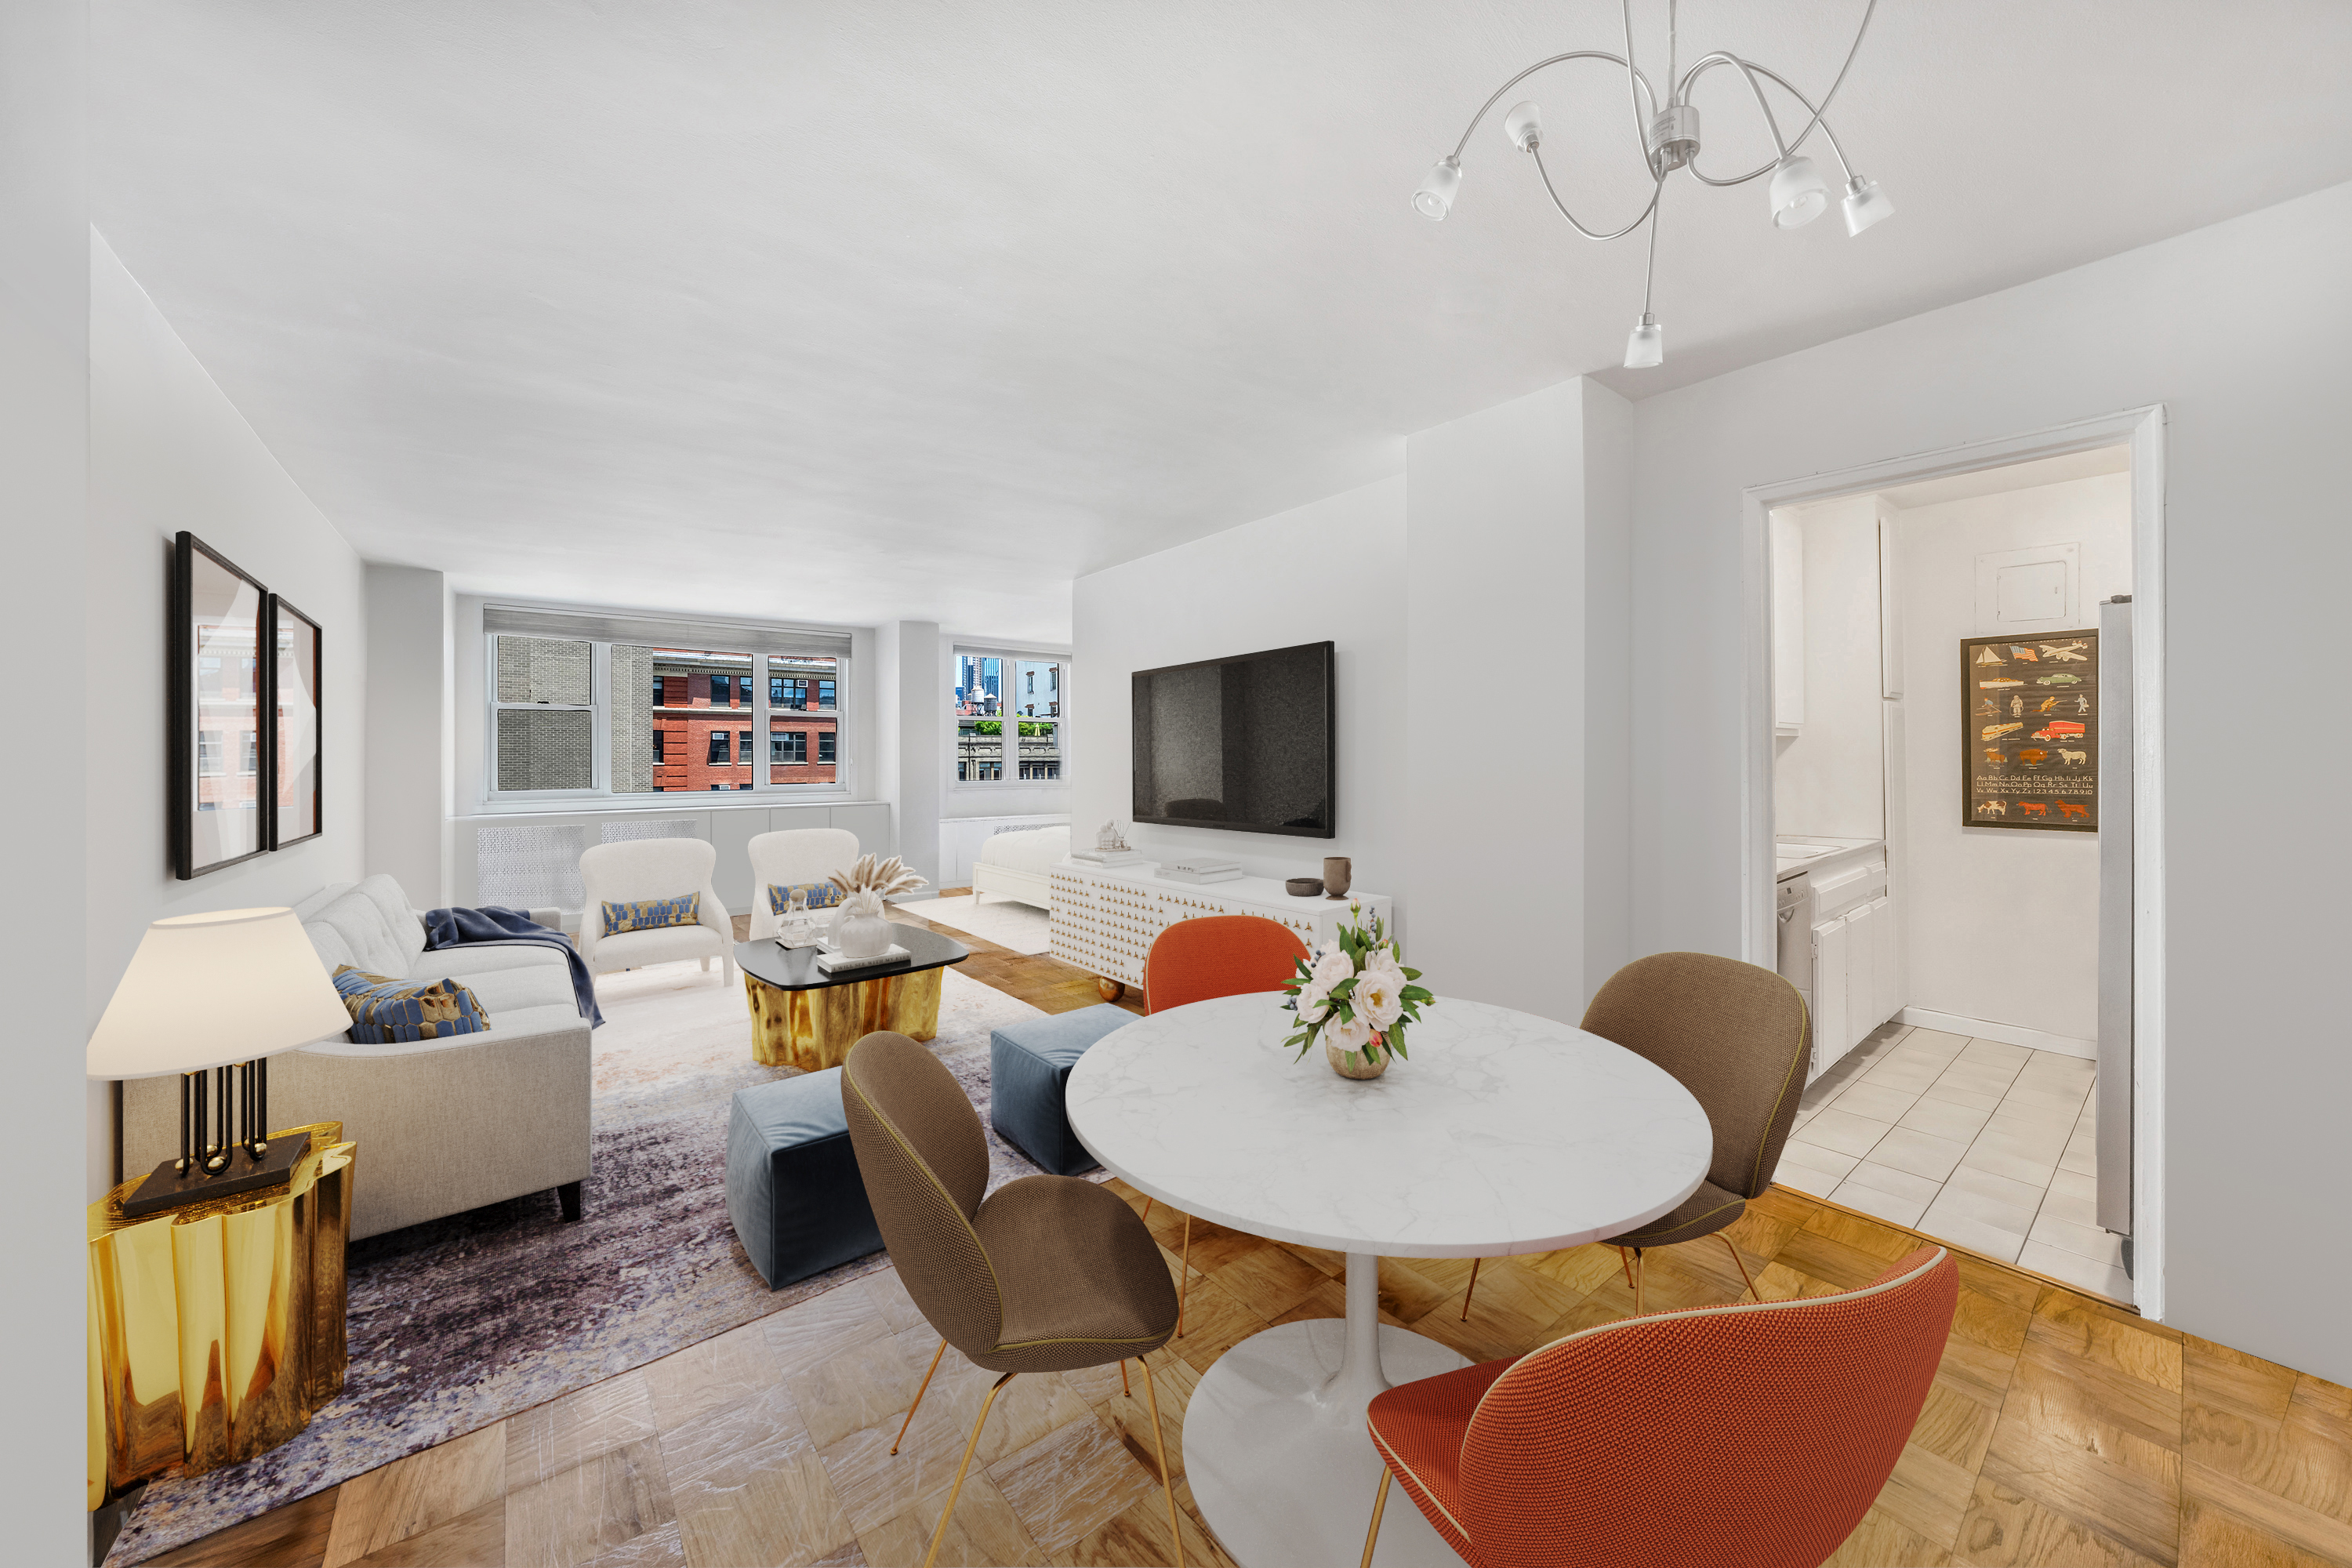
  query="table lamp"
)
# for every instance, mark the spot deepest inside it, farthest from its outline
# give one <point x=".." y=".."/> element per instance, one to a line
<point x="212" y="997"/>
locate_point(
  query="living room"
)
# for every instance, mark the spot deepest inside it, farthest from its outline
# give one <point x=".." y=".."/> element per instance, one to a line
<point x="804" y="358"/>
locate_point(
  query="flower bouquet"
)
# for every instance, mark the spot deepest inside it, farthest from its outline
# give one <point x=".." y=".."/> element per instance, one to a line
<point x="1356" y="996"/>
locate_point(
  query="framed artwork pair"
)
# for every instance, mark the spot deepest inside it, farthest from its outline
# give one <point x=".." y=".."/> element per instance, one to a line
<point x="244" y="742"/>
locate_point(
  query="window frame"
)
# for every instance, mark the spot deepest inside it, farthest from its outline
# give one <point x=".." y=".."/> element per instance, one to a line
<point x="1009" y="766"/>
<point x="759" y="644"/>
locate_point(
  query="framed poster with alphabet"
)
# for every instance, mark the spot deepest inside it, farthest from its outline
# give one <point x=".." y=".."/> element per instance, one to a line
<point x="2030" y="732"/>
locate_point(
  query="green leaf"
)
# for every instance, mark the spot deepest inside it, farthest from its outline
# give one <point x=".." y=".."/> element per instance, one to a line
<point x="1417" y="993"/>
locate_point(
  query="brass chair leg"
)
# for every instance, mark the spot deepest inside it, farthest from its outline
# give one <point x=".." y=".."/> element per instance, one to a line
<point x="1160" y="1446"/>
<point x="1626" y="1258"/>
<point x="1379" y="1502"/>
<point x="1185" y="1278"/>
<point x="1123" y="1389"/>
<point x="1743" y="1267"/>
<point x="1640" y="1278"/>
<point x="1147" y="1208"/>
<point x="909" y="1421"/>
<point x="1473" y="1289"/>
<point x="947" y="1512"/>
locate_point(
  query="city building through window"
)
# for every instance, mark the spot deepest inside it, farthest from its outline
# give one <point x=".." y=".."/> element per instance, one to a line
<point x="1008" y="718"/>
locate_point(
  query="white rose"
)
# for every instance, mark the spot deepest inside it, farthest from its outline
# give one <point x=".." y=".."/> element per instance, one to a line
<point x="1330" y="969"/>
<point x="1314" y="1002"/>
<point x="1347" y="1034"/>
<point x="1378" y="995"/>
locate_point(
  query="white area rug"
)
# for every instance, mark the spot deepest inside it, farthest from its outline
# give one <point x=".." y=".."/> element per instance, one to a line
<point x="1021" y="927"/>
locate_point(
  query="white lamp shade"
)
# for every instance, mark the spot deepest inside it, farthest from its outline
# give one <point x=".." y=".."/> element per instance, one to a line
<point x="1800" y="195"/>
<point x="206" y="990"/>
<point x="1645" y="348"/>
<point x="1434" y="199"/>
<point x="1864" y="204"/>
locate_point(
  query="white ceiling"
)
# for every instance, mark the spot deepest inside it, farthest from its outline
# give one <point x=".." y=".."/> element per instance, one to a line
<point x="853" y="312"/>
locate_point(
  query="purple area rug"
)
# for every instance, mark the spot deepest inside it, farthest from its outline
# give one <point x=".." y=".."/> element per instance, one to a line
<point x="462" y="1321"/>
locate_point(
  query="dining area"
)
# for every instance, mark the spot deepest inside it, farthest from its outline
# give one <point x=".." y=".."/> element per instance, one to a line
<point x="1322" y="1116"/>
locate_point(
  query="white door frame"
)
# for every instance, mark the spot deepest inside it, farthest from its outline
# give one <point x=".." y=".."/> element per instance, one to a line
<point x="2142" y="430"/>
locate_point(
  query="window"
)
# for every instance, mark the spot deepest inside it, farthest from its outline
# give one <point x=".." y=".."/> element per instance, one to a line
<point x="208" y="750"/>
<point x="252" y="764"/>
<point x="1008" y="718"/>
<point x="825" y="746"/>
<point x="797" y="687"/>
<point x="791" y="747"/>
<point x="591" y="713"/>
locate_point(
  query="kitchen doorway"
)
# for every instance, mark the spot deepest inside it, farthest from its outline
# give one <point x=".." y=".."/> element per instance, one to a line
<point x="1929" y="867"/>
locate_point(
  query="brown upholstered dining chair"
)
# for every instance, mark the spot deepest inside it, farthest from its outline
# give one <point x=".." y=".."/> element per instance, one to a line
<point x="1737" y="1036"/>
<point x="1047" y="1273"/>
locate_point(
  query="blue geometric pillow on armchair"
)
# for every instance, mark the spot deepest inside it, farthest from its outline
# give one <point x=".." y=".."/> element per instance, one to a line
<point x="653" y="914"/>
<point x="821" y="894"/>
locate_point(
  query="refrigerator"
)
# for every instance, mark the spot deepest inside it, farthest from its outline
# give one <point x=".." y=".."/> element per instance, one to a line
<point x="2116" y="905"/>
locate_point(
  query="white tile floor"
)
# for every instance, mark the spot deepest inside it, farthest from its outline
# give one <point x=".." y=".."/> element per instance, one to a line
<point x="1989" y="1145"/>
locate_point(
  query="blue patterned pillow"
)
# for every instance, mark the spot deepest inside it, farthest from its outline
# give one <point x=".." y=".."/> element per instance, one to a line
<point x="385" y="1009"/>
<point x="821" y="894"/>
<point x="653" y="914"/>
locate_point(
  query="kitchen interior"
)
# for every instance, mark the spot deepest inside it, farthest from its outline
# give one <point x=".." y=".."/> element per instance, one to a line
<point x="1951" y="763"/>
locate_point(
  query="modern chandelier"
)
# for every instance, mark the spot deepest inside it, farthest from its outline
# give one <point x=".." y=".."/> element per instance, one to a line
<point x="1669" y="135"/>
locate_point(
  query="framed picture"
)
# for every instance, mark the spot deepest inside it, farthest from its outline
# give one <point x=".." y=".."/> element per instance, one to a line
<point x="219" y="740"/>
<point x="2030" y="732"/>
<point x="293" y="696"/>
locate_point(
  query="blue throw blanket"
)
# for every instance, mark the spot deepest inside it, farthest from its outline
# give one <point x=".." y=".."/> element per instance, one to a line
<point x="457" y="928"/>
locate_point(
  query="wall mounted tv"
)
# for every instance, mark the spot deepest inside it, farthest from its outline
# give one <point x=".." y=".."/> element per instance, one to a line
<point x="1243" y="743"/>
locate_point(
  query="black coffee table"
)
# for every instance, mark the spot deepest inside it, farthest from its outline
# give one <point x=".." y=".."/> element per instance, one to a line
<point x="803" y="1016"/>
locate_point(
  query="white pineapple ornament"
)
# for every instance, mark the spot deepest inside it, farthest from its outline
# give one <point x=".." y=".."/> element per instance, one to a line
<point x="861" y="929"/>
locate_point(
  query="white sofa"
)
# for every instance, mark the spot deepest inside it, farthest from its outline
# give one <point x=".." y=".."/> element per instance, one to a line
<point x="1013" y="864"/>
<point x="441" y="1126"/>
<point x="637" y="870"/>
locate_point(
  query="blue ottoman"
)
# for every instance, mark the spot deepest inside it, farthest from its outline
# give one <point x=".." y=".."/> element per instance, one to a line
<point x="792" y="1187"/>
<point x="1029" y="1068"/>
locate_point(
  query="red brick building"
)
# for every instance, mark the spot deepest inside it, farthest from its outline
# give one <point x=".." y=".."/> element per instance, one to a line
<point x="706" y="732"/>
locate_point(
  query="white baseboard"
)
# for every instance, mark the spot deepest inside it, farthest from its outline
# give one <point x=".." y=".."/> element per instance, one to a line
<point x="2007" y="1034"/>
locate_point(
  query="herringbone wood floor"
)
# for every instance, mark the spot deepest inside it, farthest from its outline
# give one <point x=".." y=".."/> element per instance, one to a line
<point x="2062" y="1430"/>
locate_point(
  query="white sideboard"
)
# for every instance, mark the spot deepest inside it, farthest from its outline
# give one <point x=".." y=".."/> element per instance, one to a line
<point x="1105" y="918"/>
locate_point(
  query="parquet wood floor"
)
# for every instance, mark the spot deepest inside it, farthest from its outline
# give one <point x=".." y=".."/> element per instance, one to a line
<point x="2062" y="1430"/>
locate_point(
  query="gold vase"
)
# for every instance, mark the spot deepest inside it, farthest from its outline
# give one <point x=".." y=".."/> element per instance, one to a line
<point x="1369" y="1062"/>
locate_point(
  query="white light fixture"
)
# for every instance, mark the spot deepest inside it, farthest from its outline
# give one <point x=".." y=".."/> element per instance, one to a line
<point x="1668" y="129"/>
<point x="1646" y="348"/>
<point x="1800" y="195"/>
<point x="1864" y="204"/>
<point x="1436" y="197"/>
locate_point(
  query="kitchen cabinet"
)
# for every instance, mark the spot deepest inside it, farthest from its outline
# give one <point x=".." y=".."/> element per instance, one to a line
<point x="1857" y="981"/>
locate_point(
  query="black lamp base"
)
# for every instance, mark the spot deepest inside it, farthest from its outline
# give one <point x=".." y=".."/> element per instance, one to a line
<point x="165" y="1188"/>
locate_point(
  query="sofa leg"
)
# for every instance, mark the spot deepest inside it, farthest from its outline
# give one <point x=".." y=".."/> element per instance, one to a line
<point x="568" y="1195"/>
<point x="705" y="964"/>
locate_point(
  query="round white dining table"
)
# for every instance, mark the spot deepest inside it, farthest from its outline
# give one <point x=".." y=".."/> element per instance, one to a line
<point x="1501" y="1134"/>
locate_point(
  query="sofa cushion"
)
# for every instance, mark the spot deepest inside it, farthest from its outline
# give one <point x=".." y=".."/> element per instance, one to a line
<point x="332" y="950"/>
<point x="1029" y="1068"/>
<point x="383" y="1008"/>
<point x="518" y="985"/>
<point x="652" y="914"/>
<point x="408" y="930"/>
<point x="792" y="1187"/>
<point x="364" y="929"/>
<point x="519" y="1023"/>
<point x="471" y="958"/>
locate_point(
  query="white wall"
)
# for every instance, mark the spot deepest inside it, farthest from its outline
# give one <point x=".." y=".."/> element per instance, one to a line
<point x="44" y="497"/>
<point x="1334" y="570"/>
<point x="168" y="451"/>
<point x="2258" y="389"/>
<point x="1999" y="925"/>
<point x="408" y="763"/>
<point x="913" y="688"/>
<point x="1829" y="779"/>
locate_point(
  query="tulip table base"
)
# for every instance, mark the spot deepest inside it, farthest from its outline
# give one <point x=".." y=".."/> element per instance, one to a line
<point x="1275" y="1445"/>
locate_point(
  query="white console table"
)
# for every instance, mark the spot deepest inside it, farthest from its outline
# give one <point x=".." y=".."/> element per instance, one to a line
<point x="1105" y="917"/>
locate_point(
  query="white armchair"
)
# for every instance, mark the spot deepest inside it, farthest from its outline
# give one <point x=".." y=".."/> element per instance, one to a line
<point x="798" y="855"/>
<point x="640" y="869"/>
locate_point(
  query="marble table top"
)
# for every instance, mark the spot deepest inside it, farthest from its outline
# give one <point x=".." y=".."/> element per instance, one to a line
<point x="1501" y="1134"/>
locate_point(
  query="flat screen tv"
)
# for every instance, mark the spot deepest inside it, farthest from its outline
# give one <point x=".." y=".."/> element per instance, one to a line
<point x="1243" y="743"/>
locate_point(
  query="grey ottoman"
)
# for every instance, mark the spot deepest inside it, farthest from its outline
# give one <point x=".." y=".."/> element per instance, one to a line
<point x="1029" y="1068"/>
<point x="792" y="1187"/>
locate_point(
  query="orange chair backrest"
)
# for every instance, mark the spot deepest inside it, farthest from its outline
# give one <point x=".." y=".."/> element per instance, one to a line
<point x="1218" y="955"/>
<point x="1757" y="1433"/>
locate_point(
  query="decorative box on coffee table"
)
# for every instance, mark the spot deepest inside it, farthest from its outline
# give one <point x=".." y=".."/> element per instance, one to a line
<point x="1105" y="917"/>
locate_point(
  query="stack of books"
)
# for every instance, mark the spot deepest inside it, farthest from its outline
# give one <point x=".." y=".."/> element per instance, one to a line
<point x="1106" y="856"/>
<point x="1197" y="869"/>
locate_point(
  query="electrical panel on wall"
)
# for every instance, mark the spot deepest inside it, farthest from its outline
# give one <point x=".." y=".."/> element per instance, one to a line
<point x="2026" y="592"/>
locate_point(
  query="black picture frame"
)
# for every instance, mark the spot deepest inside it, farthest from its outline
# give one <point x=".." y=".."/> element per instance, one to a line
<point x="294" y="769"/>
<point x="217" y="616"/>
<point x="2030" y="732"/>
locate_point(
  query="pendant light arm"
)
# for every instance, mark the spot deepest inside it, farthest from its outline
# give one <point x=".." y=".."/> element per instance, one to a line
<point x="1587" y="232"/>
<point x="1751" y="71"/>
<point x="1650" y="268"/>
<point x="1478" y="117"/>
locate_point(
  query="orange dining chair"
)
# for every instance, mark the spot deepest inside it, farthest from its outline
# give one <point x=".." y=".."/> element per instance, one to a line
<point x="1208" y="956"/>
<point x="1750" y="1435"/>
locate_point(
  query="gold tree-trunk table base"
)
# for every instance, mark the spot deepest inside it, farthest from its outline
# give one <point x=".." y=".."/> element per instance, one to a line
<point x="814" y="1029"/>
<point x="216" y="1329"/>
